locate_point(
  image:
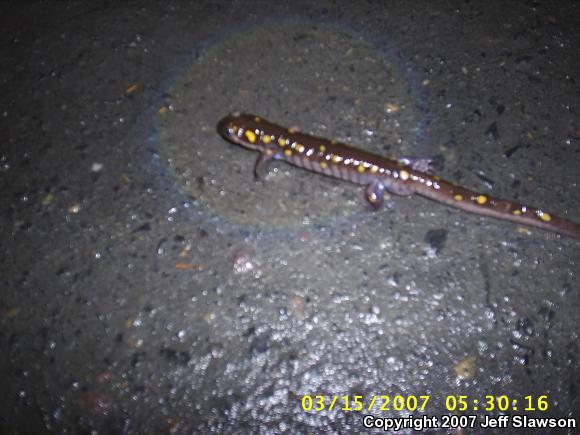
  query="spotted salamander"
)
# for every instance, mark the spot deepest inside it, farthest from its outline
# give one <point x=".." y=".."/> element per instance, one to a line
<point x="405" y="176"/>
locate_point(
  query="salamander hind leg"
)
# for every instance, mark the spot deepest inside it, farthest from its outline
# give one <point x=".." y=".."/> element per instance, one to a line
<point x="417" y="164"/>
<point x="375" y="193"/>
<point x="397" y="187"/>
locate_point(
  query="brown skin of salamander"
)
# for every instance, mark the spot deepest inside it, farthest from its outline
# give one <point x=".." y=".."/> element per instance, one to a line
<point x="378" y="173"/>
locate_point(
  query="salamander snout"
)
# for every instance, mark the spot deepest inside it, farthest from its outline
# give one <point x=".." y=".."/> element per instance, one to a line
<point x="226" y="127"/>
<point x="240" y="129"/>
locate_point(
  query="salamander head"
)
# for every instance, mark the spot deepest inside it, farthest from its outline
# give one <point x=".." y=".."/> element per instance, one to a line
<point x="242" y="129"/>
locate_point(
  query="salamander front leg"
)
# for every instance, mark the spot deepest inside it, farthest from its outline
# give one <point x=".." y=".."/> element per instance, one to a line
<point x="262" y="163"/>
<point x="417" y="164"/>
<point x="375" y="193"/>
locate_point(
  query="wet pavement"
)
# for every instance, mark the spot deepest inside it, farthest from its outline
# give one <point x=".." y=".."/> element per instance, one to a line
<point x="151" y="285"/>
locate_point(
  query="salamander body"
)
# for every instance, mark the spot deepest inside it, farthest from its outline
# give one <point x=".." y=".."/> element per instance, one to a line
<point x="405" y="176"/>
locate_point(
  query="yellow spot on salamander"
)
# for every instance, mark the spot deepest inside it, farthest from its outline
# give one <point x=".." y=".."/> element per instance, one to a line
<point x="544" y="216"/>
<point x="436" y="177"/>
<point x="458" y="197"/>
<point x="360" y="168"/>
<point x="291" y="130"/>
<point x="333" y="141"/>
<point x="288" y="152"/>
<point x="517" y="212"/>
<point x="300" y="148"/>
<point x="404" y="175"/>
<point x="322" y="148"/>
<point x="323" y="164"/>
<point x="251" y="136"/>
<point x="374" y="169"/>
<point x="257" y="119"/>
<point x="336" y="159"/>
<point x="481" y="199"/>
<point x="269" y="152"/>
<point x="282" y="142"/>
<point x="266" y="138"/>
